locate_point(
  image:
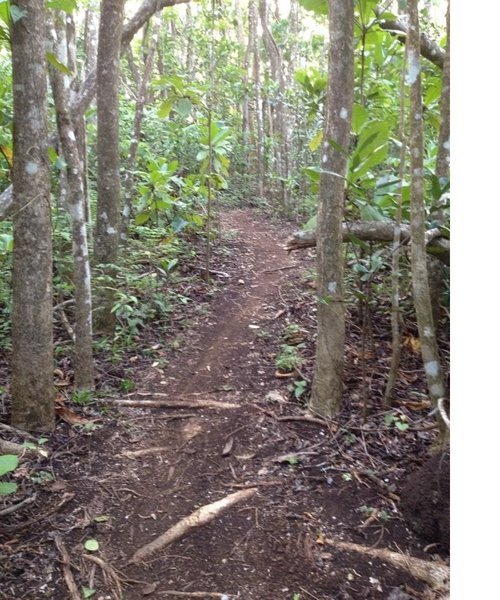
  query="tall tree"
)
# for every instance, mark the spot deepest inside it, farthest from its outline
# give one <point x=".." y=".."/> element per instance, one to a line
<point x="421" y="292"/>
<point x="107" y="233"/>
<point x="76" y="203"/>
<point x="32" y="347"/>
<point x="326" y="393"/>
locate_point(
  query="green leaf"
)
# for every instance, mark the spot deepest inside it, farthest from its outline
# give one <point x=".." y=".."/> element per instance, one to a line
<point x="67" y="6"/>
<point x="320" y="7"/>
<point x="316" y="140"/>
<point x="101" y="518"/>
<point x="368" y="212"/>
<point x="183" y="107"/>
<point x="4" y="11"/>
<point x="142" y="218"/>
<point x="88" y="592"/>
<point x="311" y="224"/>
<point x="359" y="117"/>
<point x="91" y="545"/>
<point x="8" y="463"/>
<point x="402" y="426"/>
<point x="389" y="419"/>
<point x="51" y="58"/>
<point x="178" y="224"/>
<point x="7" y="488"/>
<point x="166" y="107"/>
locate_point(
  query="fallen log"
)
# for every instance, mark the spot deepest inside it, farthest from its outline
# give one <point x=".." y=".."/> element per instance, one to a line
<point x="375" y="231"/>
<point x="202" y="516"/>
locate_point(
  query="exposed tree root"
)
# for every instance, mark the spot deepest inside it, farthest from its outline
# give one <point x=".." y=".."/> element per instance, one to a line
<point x="197" y="594"/>
<point x="170" y="403"/>
<point x="110" y="575"/>
<point x="146" y="451"/>
<point x="7" y="447"/>
<point x="66" y="569"/>
<point x="434" y="574"/>
<point x="199" y="517"/>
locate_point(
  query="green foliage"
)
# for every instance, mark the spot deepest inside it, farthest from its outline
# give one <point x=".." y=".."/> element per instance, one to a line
<point x="289" y="358"/>
<point x="8" y="463"/>
<point x="396" y="420"/>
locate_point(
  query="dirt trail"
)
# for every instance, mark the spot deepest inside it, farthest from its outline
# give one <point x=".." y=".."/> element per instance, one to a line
<point x="272" y="547"/>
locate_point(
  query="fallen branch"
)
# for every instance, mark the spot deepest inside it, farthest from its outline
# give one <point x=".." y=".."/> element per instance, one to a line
<point x="169" y="403"/>
<point x="375" y="231"/>
<point x="434" y="574"/>
<point x="20" y="450"/>
<point x="199" y="517"/>
<point x="66" y="568"/>
<point x="145" y="451"/>
<point x="218" y="595"/>
<point x="19" y="432"/>
<point x="14" y="507"/>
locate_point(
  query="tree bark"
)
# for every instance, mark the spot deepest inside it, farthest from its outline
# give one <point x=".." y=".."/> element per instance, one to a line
<point x="107" y="231"/>
<point x="327" y="387"/>
<point x="32" y="386"/>
<point x="258" y="126"/>
<point x="75" y="201"/>
<point x="421" y="293"/>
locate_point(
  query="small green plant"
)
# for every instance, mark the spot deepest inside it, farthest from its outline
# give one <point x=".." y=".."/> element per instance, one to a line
<point x="289" y="358"/>
<point x="8" y="463"/>
<point x="127" y="385"/>
<point x="82" y="397"/>
<point x="397" y="420"/>
<point x="42" y="477"/>
<point x="298" y="387"/>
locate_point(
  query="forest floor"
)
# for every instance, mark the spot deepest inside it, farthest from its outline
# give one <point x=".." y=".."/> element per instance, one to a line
<point x="231" y="422"/>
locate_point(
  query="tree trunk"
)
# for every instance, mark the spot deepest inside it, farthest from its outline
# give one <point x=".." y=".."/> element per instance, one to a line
<point x="32" y="385"/>
<point x="327" y="387"/>
<point x="107" y="233"/>
<point x="259" y="130"/>
<point x="75" y="201"/>
<point x="142" y="96"/>
<point x="421" y="294"/>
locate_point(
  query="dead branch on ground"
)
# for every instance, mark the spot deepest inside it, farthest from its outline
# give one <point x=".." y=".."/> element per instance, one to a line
<point x="199" y="517"/>
<point x="169" y="403"/>
<point x="66" y="568"/>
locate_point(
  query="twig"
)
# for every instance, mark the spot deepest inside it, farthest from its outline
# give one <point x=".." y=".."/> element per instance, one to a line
<point x="10" y="509"/>
<point x="145" y="451"/>
<point x="67" y="325"/>
<point x="218" y="595"/>
<point x="66" y="498"/>
<point x="280" y="269"/>
<point x="66" y="568"/>
<point x="20" y="450"/>
<point x="108" y="570"/>
<point x="199" y="517"/>
<point x="168" y="403"/>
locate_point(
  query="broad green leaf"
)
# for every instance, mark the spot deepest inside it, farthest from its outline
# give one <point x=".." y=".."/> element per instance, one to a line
<point x="436" y="187"/>
<point x="6" y="242"/>
<point x="433" y="92"/>
<point x="52" y="154"/>
<point x="166" y="107"/>
<point x="355" y="240"/>
<point x="178" y="224"/>
<point x="4" y="11"/>
<point x="377" y="157"/>
<point x="8" y="463"/>
<point x="51" y="58"/>
<point x="359" y="117"/>
<point x="320" y="7"/>
<point x="142" y="218"/>
<point x="389" y="419"/>
<point x="402" y="426"/>
<point x="7" y="488"/>
<point x="91" y="545"/>
<point x="316" y="140"/>
<point x="338" y="148"/>
<point x="183" y="107"/>
<point x="67" y="6"/>
<point x="371" y="213"/>
<point x="88" y="592"/>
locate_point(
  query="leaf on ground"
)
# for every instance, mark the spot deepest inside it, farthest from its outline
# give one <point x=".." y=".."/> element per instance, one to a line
<point x="228" y="447"/>
<point x="66" y="414"/>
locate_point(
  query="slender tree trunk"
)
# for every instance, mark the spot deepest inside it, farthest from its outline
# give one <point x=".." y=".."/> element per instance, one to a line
<point x="107" y="234"/>
<point x="75" y="201"/>
<point x="326" y="394"/>
<point x="281" y="113"/>
<point x="252" y="21"/>
<point x="421" y="294"/>
<point x="142" y="97"/>
<point x="32" y="385"/>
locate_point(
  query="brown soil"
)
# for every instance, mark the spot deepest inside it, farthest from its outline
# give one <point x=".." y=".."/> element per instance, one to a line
<point x="317" y="482"/>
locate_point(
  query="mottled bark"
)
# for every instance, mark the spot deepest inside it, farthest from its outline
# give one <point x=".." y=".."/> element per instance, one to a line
<point x="75" y="201"/>
<point x="327" y="387"/>
<point x="150" y="45"/>
<point x="107" y="231"/>
<point x="421" y="295"/>
<point x="32" y="386"/>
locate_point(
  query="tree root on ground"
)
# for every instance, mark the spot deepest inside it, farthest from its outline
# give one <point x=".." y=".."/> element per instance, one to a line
<point x="202" y="516"/>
